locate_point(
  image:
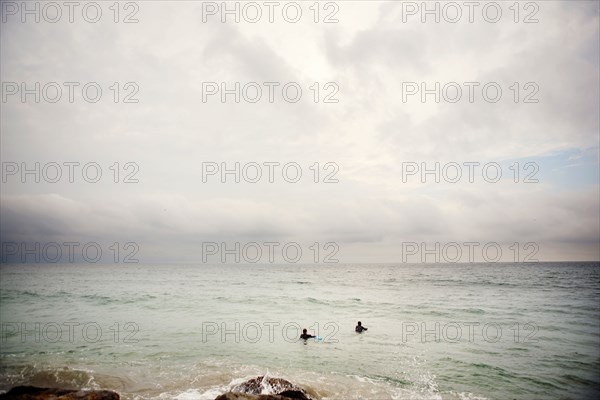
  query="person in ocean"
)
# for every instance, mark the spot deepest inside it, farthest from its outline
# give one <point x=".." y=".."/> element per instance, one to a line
<point x="359" y="328"/>
<point x="305" y="335"/>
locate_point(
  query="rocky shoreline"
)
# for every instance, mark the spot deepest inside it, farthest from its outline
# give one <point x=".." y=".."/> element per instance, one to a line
<point x="36" y="393"/>
<point x="259" y="388"/>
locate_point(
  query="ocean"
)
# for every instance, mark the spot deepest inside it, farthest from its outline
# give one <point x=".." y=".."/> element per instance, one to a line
<point x="435" y="331"/>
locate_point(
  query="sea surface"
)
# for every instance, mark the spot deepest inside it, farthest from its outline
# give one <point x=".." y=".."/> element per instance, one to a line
<point x="465" y="331"/>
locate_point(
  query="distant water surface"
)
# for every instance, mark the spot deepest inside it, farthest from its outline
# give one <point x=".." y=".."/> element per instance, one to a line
<point x="498" y="331"/>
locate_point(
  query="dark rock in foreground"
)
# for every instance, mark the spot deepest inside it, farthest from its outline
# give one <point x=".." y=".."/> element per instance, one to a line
<point x="246" y="396"/>
<point x="279" y="389"/>
<point x="35" y="393"/>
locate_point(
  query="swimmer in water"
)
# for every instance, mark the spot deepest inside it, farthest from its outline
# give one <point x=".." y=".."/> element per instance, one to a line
<point x="305" y="335"/>
<point x="359" y="328"/>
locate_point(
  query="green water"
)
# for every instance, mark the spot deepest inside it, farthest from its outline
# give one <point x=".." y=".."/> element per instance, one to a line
<point x="190" y="332"/>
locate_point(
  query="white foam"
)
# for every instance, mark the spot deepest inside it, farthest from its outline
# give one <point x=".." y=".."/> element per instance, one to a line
<point x="195" y="394"/>
<point x="470" y="396"/>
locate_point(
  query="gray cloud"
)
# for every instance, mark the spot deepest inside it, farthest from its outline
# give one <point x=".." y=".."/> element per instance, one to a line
<point x="369" y="133"/>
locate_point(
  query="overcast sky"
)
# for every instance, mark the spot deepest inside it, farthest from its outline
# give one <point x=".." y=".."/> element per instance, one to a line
<point x="372" y="58"/>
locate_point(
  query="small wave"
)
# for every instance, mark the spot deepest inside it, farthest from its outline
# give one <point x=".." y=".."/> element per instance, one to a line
<point x="578" y="380"/>
<point x="316" y="301"/>
<point x="499" y="370"/>
<point x="468" y="396"/>
<point x="472" y="310"/>
<point x="523" y="349"/>
<point x="28" y="293"/>
<point x="540" y="382"/>
<point x="98" y="298"/>
<point x="439" y="314"/>
<point x="389" y="379"/>
<point x="194" y="394"/>
<point x="64" y="377"/>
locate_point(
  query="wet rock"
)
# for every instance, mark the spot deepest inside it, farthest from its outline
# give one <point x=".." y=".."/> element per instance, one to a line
<point x="267" y="384"/>
<point x="277" y="389"/>
<point x="246" y="396"/>
<point x="36" y="393"/>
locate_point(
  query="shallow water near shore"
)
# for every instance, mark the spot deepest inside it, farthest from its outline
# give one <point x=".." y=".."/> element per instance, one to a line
<point x="194" y="331"/>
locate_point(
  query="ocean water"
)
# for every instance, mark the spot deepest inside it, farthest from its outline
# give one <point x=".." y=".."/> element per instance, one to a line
<point x="466" y="331"/>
